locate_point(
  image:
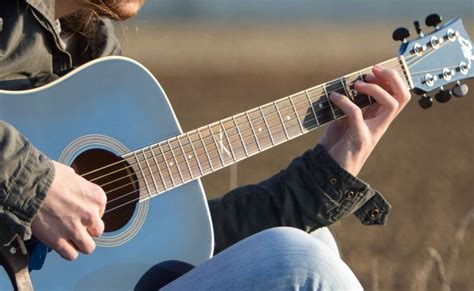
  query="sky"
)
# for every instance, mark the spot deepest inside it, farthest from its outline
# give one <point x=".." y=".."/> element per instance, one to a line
<point x="281" y="11"/>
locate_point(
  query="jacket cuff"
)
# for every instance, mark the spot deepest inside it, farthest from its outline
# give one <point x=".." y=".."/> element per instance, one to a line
<point x="348" y="193"/>
<point x="23" y="192"/>
<point x="374" y="211"/>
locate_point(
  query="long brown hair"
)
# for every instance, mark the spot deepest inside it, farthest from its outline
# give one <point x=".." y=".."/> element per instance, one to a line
<point x="85" y="20"/>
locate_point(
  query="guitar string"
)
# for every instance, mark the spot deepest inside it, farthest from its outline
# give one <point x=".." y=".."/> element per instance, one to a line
<point x="190" y="171"/>
<point x="196" y="168"/>
<point x="236" y="146"/>
<point x="179" y="138"/>
<point x="150" y="195"/>
<point x="211" y="135"/>
<point x="302" y="92"/>
<point x="433" y="70"/>
<point x="252" y="121"/>
<point x="183" y="182"/>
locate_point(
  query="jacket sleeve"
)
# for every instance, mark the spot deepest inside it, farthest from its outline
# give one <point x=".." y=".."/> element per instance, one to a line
<point x="25" y="177"/>
<point x="313" y="191"/>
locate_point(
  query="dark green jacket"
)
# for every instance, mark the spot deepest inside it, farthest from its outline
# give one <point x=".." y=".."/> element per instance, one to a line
<point x="314" y="191"/>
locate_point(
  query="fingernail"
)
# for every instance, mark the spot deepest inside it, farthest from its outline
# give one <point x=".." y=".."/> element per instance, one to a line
<point x="334" y="95"/>
<point x="378" y="68"/>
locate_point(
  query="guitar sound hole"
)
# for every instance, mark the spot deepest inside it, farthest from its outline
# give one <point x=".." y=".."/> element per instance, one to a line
<point x="117" y="179"/>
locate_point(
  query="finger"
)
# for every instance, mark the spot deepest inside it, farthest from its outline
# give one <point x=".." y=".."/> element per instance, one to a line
<point x="100" y="198"/>
<point x="388" y="103"/>
<point x="96" y="229"/>
<point x="66" y="250"/>
<point x="352" y="111"/>
<point x="371" y="78"/>
<point x="396" y="83"/>
<point x="83" y="241"/>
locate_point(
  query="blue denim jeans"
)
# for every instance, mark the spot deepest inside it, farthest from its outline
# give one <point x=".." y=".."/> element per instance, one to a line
<point x="281" y="258"/>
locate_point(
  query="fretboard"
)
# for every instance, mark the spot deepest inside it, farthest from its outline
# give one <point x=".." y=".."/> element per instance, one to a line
<point x="191" y="155"/>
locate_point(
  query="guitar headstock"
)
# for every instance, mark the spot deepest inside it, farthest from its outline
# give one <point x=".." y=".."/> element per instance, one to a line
<point x="436" y="60"/>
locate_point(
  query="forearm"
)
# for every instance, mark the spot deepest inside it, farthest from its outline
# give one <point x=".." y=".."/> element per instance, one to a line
<point x="25" y="176"/>
<point x="314" y="191"/>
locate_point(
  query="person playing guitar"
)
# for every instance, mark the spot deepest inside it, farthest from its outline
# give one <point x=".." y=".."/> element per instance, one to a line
<point x="260" y="231"/>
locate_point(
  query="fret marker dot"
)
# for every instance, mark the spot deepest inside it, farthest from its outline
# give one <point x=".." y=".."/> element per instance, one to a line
<point x="288" y="117"/>
<point x="320" y="105"/>
<point x="171" y="163"/>
<point x="190" y="157"/>
<point x="259" y="129"/>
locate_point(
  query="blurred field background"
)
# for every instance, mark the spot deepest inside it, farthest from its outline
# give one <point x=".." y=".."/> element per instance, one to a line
<point x="215" y="59"/>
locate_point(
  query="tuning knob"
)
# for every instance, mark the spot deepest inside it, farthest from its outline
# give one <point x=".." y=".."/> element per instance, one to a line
<point x="433" y="20"/>
<point x="425" y="101"/>
<point x="418" y="28"/>
<point x="460" y="90"/>
<point x="443" y="96"/>
<point x="401" y="34"/>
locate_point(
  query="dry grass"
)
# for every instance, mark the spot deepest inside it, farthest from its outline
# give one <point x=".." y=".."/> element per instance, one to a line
<point x="424" y="165"/>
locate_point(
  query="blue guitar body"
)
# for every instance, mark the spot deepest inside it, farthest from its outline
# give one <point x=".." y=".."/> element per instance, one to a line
<point x="113" y="104"/>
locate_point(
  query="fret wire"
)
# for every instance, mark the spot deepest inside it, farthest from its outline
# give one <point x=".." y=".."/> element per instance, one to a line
<point x="158" y="166"/>
<point x="266" y="124"/>
<point x="241" y="137"/>
<point x="329" y="101"/>
<point x="150" y="170"/>
<point x="218" y="149"/>
<point x="228" y="141"/>
<point x="198" y="162"/>
<point x="312" y="108"/>
<point x="297" y="115"/>
<point x="345" y="89"/>
<point x="363" y="79"/>
<point x="253" y="130"/>
<point x="263" y="116"/>
<point x="185" y="158"/>
<point x="282" y="121"/>
<point x="176" y="162"/>
<point x="143" y="174"/>
<point x="165" y="160"/>
<point x="205" y="149"/>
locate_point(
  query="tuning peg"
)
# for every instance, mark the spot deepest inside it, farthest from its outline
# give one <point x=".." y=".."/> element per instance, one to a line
<point x="460" y="90"/>
<point x="433" y="20"/>
<point x="425" y="101"/>
<point x="418" y="28"/>
<point x="400" y="34"/>
<point x="443" y="96"/>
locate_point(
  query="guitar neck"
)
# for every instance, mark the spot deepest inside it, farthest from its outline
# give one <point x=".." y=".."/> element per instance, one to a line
<point x="191" y="155"/>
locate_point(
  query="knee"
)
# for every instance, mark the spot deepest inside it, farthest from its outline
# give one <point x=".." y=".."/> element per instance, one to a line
<point x="304" y="260"/>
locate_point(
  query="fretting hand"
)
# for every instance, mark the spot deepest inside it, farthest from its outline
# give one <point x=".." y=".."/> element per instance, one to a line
<point x="351" y="140"/>
<point x="71" y="214"/>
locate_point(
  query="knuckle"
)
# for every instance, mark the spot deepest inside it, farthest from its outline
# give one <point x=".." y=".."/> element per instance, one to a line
<point x="393" y="104"/>
<point x="65" y="252"/>
<point x="88" y="217"/>
<point x="102" y="199"/>
<point x="100" y="228"/>
<point x="406" y="96"/>
<point x="97" y="229"/>
<point x="98" y="193"/>
<point x="76" y="234"/>
<point x="354" y="111"/>
<point x="56" y="244"/>
<point x="391" y="73"/>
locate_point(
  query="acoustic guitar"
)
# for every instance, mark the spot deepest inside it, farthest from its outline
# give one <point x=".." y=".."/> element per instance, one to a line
<point x="113" y="123"/>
